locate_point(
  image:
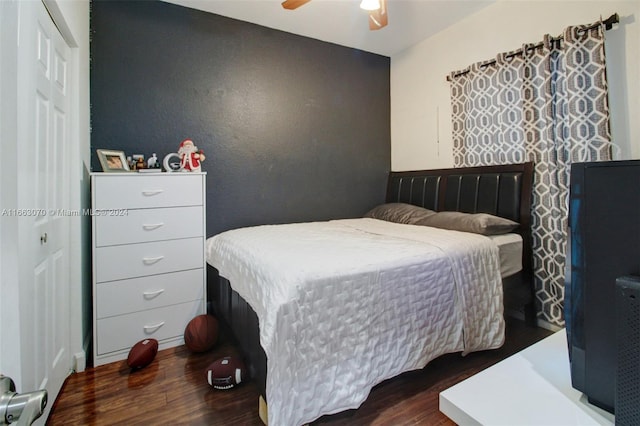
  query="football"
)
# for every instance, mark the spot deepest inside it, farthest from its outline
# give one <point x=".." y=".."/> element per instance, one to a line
<point x="201" y="333"/>
<point x="142" y="353"/>
<point x="225" y="373"/>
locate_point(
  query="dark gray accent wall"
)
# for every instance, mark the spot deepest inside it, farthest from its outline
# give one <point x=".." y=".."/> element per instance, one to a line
<point x="294" y="129"/>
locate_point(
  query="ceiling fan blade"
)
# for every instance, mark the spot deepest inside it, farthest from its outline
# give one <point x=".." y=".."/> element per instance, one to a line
<point x="293" y="4"/>
<point x="379" y="18"/>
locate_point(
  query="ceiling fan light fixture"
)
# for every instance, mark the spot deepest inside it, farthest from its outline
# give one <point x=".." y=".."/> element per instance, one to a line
<point x="370" y="4"/>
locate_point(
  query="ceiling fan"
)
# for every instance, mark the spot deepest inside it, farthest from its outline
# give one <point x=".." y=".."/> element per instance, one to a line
<point x="377" y="11"/>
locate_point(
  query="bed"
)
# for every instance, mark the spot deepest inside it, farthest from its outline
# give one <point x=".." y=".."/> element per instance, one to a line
<point x="387" y="297"/>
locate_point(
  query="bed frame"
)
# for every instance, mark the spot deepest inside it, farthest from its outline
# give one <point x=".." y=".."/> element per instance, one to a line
<point x="503" y="190"/>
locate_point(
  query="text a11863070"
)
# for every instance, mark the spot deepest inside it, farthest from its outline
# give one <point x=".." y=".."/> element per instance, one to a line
<point x="33" y="212"/>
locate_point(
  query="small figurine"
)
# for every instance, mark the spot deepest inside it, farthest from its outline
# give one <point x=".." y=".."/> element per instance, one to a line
<point x="140" y="164"/>
<point x="152" y="162"/>
<point x="190" y="156"/>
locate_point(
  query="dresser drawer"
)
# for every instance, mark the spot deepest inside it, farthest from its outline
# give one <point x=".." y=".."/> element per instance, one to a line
<point x="139" y="294"/>
<point x="122" y="332"/>
<point x="139" y="260"/>
<point x="128" y="191"/>
<point x="143" y="225"/>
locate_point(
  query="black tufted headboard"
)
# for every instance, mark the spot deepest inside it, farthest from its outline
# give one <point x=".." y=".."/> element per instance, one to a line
<point x="503" y="190"/>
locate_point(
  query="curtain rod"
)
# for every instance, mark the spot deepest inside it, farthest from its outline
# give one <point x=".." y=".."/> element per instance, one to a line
<point x="608" y="24"/>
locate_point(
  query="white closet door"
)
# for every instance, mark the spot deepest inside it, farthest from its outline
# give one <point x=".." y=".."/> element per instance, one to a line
<point x="41" y="331"/>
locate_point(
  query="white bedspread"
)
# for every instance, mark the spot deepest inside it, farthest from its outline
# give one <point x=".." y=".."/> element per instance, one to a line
<point x="346" y="304"/>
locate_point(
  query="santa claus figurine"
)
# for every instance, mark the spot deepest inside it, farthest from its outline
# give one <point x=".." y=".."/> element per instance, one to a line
<point x="190" y="157"/>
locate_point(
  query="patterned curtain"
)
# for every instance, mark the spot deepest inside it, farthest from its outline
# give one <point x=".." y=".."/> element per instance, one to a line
<point x="545" y="103"/>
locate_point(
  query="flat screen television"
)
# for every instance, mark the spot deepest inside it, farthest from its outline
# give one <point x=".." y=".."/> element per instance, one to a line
<point x="604" y="244"/>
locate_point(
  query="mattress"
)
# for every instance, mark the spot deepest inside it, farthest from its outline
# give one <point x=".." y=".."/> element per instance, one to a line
<point x="510" y="253"/>
<point x="343" y="305"/>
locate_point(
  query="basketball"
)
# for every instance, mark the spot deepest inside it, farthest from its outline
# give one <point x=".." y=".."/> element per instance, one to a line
<point x="201" y="333"/>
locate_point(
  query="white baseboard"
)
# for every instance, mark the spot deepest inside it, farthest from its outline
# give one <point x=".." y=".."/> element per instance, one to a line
<point x="80" y="358"/>
<point x="547" y="325"/>
<point x="79" y="361"/>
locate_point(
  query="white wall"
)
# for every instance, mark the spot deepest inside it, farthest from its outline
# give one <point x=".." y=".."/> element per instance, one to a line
<point x="420" y="101"/>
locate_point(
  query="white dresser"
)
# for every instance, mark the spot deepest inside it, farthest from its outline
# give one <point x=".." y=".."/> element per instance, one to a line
<point x="148" y="259"/>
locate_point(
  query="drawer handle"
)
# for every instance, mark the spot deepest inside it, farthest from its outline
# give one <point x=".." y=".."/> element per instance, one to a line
<point x="152" y="226"/>
<point x="151" y="192"/>
<point x="151" y="260"/>
<point x="152" y="294"/>
<point x="152" y="328"/>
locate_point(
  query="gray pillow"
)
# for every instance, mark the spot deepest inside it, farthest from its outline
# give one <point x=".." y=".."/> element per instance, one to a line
<point x="399" y="213"/>
<point x="478" y="223"/>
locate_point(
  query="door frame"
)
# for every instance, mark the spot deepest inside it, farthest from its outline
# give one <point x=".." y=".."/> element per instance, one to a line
<point x="9" y="331"/>
<point x="79" y="154"/>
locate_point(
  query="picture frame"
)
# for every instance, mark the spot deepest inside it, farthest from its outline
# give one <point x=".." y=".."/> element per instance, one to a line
<point x="112" y="161"/>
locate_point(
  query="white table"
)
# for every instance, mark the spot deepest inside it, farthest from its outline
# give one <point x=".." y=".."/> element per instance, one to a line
<point x="532" y="387"/>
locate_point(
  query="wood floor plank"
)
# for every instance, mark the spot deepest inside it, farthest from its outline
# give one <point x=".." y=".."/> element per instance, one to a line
<point x="173" y="390"/>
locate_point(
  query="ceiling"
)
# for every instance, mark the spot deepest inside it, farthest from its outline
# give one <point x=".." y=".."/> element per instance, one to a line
<point x="343" y="22"/>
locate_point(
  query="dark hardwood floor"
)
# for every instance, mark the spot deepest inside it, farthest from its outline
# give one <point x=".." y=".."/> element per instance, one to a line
<point x="174" y="390"/>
